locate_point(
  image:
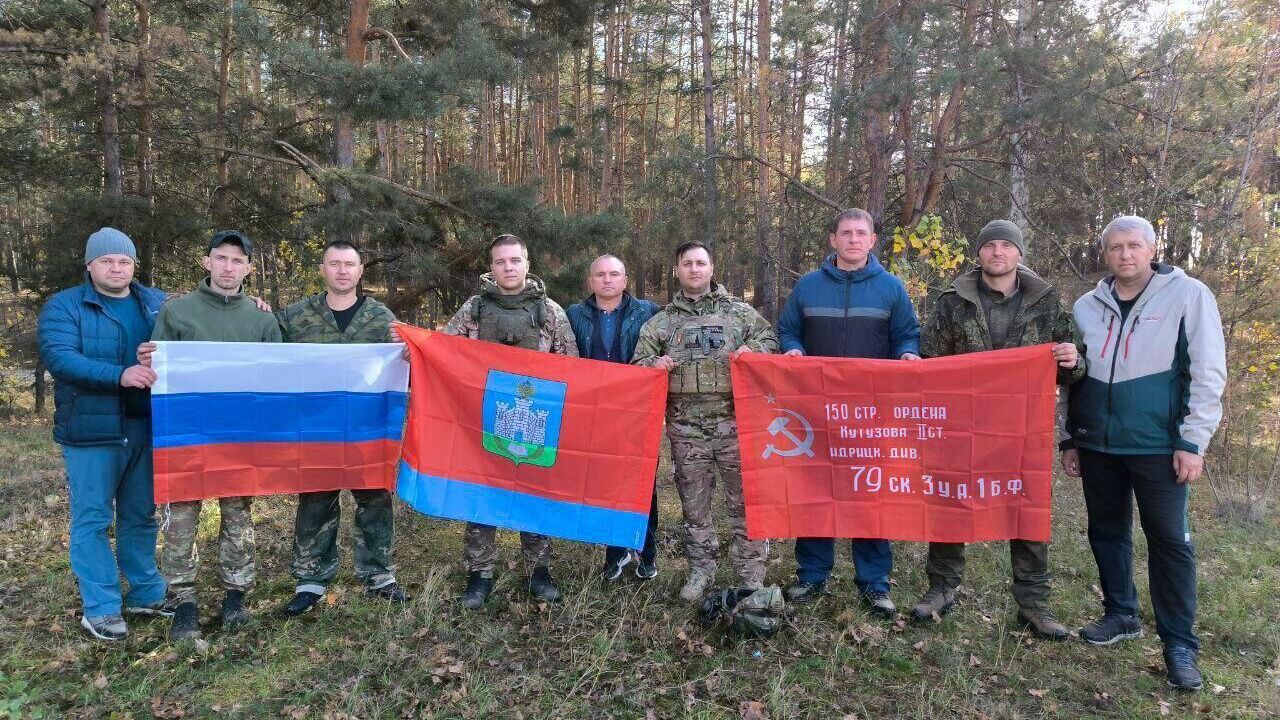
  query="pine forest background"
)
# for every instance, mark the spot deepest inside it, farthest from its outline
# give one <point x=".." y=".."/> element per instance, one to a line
<point x="421" y="128"/>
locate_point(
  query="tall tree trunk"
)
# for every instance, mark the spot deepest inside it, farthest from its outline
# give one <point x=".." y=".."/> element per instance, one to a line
<point x="222" y="192"/>
<point x="837" y="162"/>
<point x="146" y="170"/>
<point x="610" y="98"/>
<point x="766" y="280"/>
<point x="712" y="191"/>
<point x="1019" y="189"/>
<point x="344" y="136"/>
<point x="876" y="138"/>
<point x="382" y="129"/>
<point x="113" y="174"/>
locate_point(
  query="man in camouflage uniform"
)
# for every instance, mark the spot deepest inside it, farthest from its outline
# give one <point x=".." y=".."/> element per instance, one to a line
<point x="219" y="311"/>
<point x="694" y="338"/>
<point x="340" y="314"/>
<point x="997" y="305"/>
<point x="512" y="308"/>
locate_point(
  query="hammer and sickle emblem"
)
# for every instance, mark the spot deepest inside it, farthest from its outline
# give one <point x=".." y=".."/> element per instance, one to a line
<point x="779" y="427"/>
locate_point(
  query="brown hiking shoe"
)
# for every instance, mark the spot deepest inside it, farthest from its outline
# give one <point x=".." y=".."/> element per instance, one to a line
<point x="935" y="603"/>
<point x="1042" y="623"/>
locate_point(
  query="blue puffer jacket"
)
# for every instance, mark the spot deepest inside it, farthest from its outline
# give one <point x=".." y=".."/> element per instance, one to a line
<point x="84" y="348"/>
<point x="582" y="318"/>
<point x="862" y="313"/>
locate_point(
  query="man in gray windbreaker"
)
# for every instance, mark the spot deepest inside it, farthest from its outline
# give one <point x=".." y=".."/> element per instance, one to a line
<point x="1138" y="426"/>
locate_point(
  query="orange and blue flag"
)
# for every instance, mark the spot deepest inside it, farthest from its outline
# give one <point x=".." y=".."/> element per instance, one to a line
<point x="234" y="419"/>
<point x="530" y="441"/>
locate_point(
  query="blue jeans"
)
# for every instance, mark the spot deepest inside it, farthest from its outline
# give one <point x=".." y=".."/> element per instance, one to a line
<point x="872" y="560"/>
<point x="1111" y="484"/>
<point x="107" y="483"/>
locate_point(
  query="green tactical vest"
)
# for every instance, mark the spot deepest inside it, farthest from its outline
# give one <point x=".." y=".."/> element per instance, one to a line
<point x="700" y="346"/>
<point x="518" y="326"/>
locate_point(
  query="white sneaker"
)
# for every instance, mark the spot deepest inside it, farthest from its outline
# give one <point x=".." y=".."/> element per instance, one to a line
<point x="105" y="627"/>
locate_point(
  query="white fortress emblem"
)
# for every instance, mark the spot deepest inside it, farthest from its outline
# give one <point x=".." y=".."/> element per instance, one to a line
<point x="521" y="423"/>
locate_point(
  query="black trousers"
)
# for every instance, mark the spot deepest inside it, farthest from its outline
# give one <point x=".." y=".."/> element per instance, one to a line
<point x="1111" y="482"/>
<point x="650" y="551"/>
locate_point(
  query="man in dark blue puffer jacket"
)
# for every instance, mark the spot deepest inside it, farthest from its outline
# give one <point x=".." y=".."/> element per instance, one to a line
<point x="849" y="307"/>
<point x="88" y="337"/>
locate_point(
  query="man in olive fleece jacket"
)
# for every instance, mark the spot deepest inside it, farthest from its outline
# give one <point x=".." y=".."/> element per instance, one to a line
<point x="218" y="310"/>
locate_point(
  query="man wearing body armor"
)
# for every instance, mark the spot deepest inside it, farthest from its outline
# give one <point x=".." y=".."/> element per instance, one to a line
<point x="512" y="308"/>
<point x="694" y="339"/>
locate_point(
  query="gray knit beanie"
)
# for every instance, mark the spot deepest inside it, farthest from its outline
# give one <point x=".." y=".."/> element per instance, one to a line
<point x="109" y="241"/>
<point x="1001" y="230"/>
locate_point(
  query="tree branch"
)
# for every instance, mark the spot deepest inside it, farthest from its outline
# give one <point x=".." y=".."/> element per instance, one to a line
<point x="376" y="32"/>
<point x="750" y="157"/>
<point x="318" y="173"/>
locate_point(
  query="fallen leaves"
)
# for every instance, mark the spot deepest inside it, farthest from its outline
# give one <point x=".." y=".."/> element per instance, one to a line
<point x="752" y="710"/>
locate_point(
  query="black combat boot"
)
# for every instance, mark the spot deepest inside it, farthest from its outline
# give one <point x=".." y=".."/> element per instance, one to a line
<point x="478" y="589"/>
<point x="542" y="586"/>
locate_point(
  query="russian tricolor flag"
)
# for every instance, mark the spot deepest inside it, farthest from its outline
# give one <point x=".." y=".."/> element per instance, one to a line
<point x="232" y="419"/>
<point x="531" y="441"/>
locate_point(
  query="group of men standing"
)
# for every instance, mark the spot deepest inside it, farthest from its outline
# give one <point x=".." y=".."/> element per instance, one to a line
<point x="96" y="339"/>
<point x="1139" y="415"/>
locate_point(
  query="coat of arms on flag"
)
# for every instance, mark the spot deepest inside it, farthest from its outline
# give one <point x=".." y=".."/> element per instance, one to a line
<point x="531" y="441"/>
<point x="521" y="417"/>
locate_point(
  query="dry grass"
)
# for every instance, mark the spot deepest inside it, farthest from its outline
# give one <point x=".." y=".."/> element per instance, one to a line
<point x="624" y="651"/>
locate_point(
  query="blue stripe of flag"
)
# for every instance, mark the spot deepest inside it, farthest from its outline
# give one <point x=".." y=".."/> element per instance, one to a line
<point x="487" y="505"/>
<point x="185" y="419"/>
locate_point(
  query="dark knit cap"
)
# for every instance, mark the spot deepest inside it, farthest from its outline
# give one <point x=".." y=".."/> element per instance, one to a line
<point x="1001" y="230"/>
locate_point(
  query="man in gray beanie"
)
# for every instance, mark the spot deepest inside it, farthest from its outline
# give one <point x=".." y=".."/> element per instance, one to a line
<point x="88" y="336"/>
<point x="1000" y="304"/>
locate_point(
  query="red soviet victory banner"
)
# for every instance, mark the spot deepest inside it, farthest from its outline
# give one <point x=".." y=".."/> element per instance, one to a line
<point x="954" y="449"/>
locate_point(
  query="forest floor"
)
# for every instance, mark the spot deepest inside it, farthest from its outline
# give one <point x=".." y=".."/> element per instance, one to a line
<point x="628" y="650"/>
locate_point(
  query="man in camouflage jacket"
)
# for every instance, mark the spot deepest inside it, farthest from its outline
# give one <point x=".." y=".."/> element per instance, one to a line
<point x="998" y="305"/>
<point x="512" y="308"/>
<point x="694" y="338"/>
<point x="340" y="314"/>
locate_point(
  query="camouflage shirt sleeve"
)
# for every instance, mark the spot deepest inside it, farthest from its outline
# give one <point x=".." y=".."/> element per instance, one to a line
<point x="1064" y="330"/>
<point x="758" y="334"/>
<point x="389" y="318"/>
<point x="563" y="341"/>
<point x="937" y="339"/>
<point x="649" y="345"/>
<point x="462" y="323"/>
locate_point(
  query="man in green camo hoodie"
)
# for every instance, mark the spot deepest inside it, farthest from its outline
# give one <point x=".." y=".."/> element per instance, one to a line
<point x="340" y="314"/>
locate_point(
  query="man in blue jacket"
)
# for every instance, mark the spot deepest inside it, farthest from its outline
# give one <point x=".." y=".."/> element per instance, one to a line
<point x="607" y="325"/>
<point x="88" y="336"/>
<point x="849" y="307"/>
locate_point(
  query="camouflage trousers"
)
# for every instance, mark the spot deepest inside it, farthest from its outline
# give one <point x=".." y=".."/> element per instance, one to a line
<point x="179" y="558"/>
<point x="1030" y="561"/>
<point x="480" y="549"/>
<point x="704" y="439"/>
<point x="315" y="539"/>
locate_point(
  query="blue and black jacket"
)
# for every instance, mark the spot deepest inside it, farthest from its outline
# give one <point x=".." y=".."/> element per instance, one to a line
<point x="584" y="319"/>
<point x="850" y="313"/>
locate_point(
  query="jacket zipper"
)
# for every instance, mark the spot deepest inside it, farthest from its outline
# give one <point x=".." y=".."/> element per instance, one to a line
<point x="1111" y="380"/>
<point x="124" y="441"/>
